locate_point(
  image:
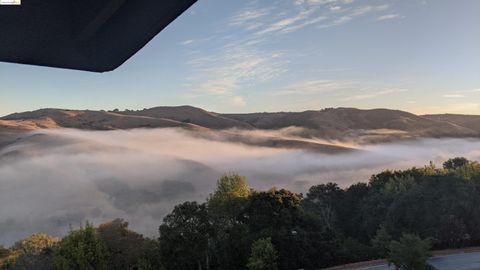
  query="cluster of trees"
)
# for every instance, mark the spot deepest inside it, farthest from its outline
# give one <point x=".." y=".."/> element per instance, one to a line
<point x="397" y="214"/>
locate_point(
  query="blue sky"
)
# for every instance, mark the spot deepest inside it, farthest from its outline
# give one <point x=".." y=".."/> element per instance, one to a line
<point x="421" y="56"/>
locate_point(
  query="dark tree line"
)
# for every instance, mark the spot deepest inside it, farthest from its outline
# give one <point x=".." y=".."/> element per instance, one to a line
<point x="241" y="228"/>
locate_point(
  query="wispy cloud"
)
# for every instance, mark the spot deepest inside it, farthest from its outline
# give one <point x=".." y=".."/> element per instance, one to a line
<point x="238" y="101"/>
<point x="375" y="94"/>
<point x="453" y="96"/>
<point x="241" y="54"/>
<point x="313" y="87"/>
<point x="342" y="90"/>
<point x="351" y="14"/>
<point x="232" y="67"/>
<point x="389" y="17"/>
<point x="187" y="42"/>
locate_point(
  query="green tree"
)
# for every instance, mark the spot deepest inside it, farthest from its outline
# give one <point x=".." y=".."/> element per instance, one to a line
<point x="381" y="241"/>
<point x="125" y="247"/>
<point x="325" y="200"/>
<point x="455" y="163"/>
<point x="410" y="252"/>
<point x="230" y="186"/>
<point x="277" y="214"/>
<point x="230" y="241"/>
<point x="150" y="259"/>
<point x="263" y="256"/>
<point x="81" y="249"/>
<point x="228" y="198"/>
<point x="184" y="237"/>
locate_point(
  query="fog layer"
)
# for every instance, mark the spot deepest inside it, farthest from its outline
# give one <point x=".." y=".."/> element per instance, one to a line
<point x="51" y="180"/>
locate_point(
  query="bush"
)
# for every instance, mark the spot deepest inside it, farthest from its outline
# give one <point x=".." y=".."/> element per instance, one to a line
<point x="410" y="252"/>
<point x="81" y="249"/>
<point x="264" y="256"/>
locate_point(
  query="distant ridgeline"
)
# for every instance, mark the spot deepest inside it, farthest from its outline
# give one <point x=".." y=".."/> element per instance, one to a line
<point x="241" y="228"/>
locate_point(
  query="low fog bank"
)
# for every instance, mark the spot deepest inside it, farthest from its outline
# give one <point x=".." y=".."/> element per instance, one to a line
<point x="52" y="180"/>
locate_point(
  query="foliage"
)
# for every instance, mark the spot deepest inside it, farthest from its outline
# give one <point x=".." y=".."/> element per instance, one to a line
<point x="81" y="249"/>
<point x="231" y="186"/>
<point x="263" y="256"/>
<point x="230" y="240"/>
<point x="124" y="246"/>
<point x="31" y="253"/>
<point x="455" y="163"/>
<point x="239" y="228"/>
<point x="184" y="237"/>
<point x="381" y="241"/>
<point x="226" y="201"/>
<point x="35" y="243"/>
<point x="409" y="253"/>
<point x="4" y="252"/>
<point x="150" y="259"/>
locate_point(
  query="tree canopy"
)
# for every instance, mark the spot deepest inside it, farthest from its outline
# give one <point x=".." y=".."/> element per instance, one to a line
<point x="394" y="215"/>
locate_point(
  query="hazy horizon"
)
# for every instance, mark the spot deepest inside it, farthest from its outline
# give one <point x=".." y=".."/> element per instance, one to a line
<point x="235" y="112"/>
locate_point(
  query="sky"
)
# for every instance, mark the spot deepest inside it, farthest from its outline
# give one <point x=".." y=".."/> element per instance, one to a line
<point x="421" y="56"/>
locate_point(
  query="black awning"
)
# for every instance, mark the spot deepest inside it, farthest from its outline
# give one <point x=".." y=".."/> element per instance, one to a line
<point x="92" y="35"/>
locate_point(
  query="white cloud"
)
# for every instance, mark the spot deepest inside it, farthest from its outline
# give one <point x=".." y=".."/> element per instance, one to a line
<point x="238" y="101"/>
<point x="453" y="96"/>
<point x="339" y="90"/>
<point x="352" y="14"/>
<point x="244" y="56"/>
<point x="374" y="94"/>
<point x="389" y="17"/>
<point x="335" y="8"/>
<point x="187" y="42"/>
<point x="248" y="17"/>
<point x="313" y="87"/>
<point x="233" y="66"/>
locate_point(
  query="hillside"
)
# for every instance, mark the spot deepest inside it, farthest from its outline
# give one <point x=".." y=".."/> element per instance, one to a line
<point x="470" y="121"/>
<point x="350" y="122"/>
<point x="298" y="129"/>
<point x="189" y="114"/>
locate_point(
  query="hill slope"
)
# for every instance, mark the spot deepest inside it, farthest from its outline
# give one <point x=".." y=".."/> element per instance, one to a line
<point x="348" y="122"/>
<point x="189" y="114"/>
<point x="301" y="129"/>
<point x="470" y="121"/>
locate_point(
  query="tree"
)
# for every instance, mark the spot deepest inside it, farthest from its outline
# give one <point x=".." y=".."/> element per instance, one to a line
<point x="227" y="199"/>
<point x="184" y="237"/>
<point x="381" y="241"/>
<point x="263" y="256"/>
<point x="35" y="243"/>
<point x="150" y="259"/>
<point x="5" y="257"/>
<point x="409" y="253"/>
<point x="81" y="249"/>
<point x="277" y="214"/>
<point x="272" y="210"/>
<point x="325" y="201"/>
<point x="125" y="247"/>
<point x="455" y="163"/>
<point x="4" y="252"/>
<point x="32" y="253"/>
<point x="229" y="242"/>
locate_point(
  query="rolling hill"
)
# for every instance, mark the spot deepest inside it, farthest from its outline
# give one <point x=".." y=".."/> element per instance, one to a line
<point x="307" y="130"/>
